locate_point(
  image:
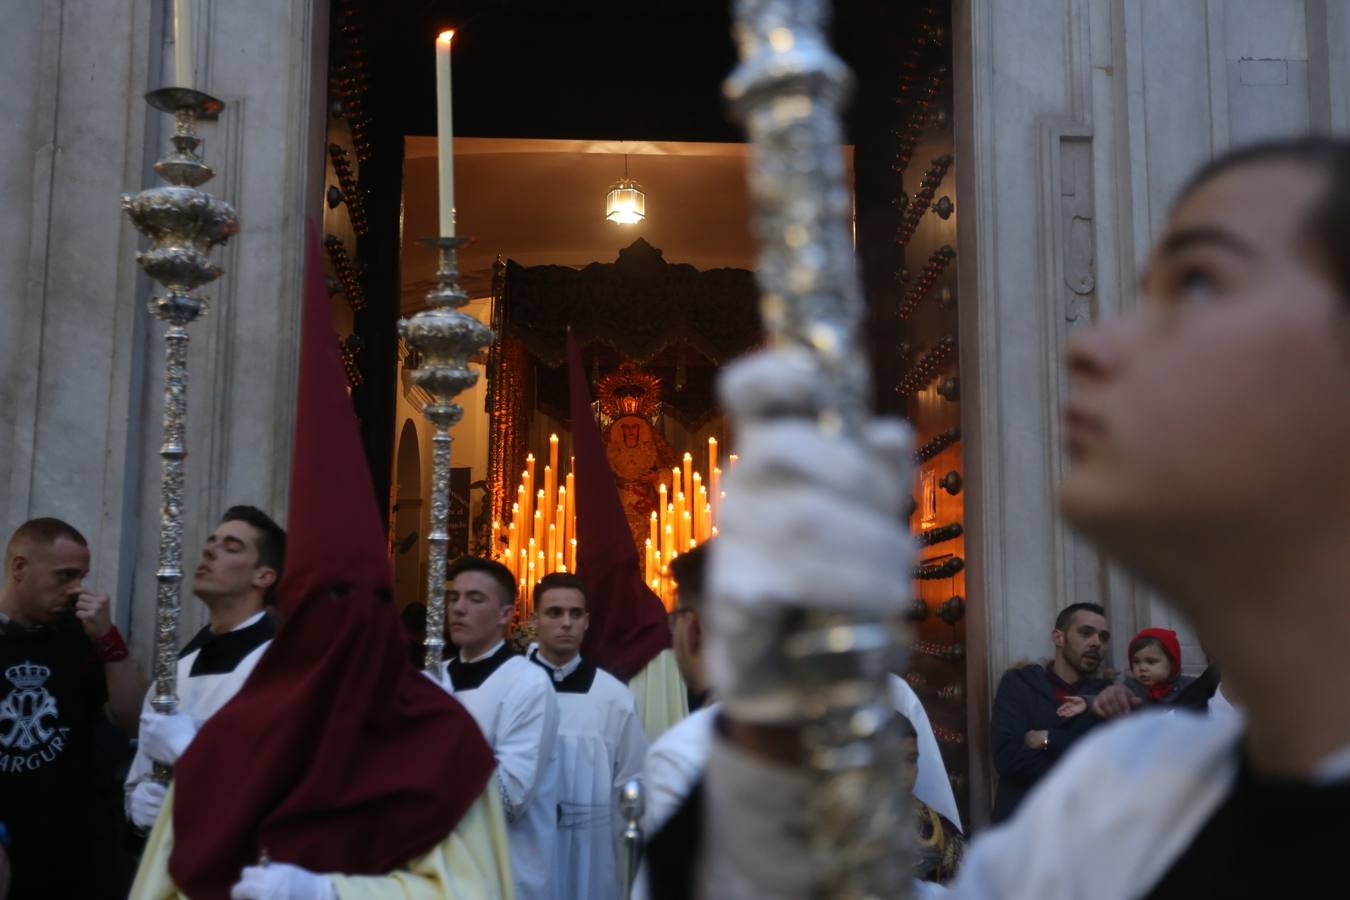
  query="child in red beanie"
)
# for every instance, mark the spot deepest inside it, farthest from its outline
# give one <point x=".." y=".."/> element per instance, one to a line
<point x="1155" y="666"/>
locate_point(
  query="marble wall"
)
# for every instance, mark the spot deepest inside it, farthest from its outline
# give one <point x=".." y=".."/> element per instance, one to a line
<point x="80" y="387"/>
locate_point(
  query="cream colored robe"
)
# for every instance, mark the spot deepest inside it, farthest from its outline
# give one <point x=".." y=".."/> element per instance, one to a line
<point x="662" y="699"/>
<point x="471" y="864"/>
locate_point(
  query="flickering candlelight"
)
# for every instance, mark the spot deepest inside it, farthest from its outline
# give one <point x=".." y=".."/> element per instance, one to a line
<point x="183" y="69"/>
<point x="445" y="137"/>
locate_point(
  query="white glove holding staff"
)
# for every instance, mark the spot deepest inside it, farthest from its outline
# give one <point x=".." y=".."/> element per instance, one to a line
<point x="164" y="738"/>
<point x="147" y="799"/>
<point x="280" y="881"/>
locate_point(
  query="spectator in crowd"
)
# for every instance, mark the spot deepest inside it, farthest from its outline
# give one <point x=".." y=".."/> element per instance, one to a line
<point x="62" y="660"/>
<point x="1032" y="726"/>
<point x="1155" y="666"/>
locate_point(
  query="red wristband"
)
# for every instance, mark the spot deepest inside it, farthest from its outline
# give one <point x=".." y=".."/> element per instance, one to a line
<point x="111" y="647"/>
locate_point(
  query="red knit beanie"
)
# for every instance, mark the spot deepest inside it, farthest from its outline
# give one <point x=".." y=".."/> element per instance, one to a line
<point x="1165" y="636"/>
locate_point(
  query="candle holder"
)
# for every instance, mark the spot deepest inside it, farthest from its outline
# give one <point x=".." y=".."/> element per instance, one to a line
<point x="183" y="224"/>
<point x="445" y="340"/>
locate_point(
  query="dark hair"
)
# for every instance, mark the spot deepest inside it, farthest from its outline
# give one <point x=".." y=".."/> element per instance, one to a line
<point x="690" y="570"/>
<point x="906" y="727"/>
<point x="489" y="567"/>
<point x="1067" y="613"/>
<point x="1328" y="220"/>
<point x="1140" y="643"/>
<point x="559" y="580"/>
<point x="414" y="616"/>
<point x="44" y="531"/>
<point x="271" y="543"/>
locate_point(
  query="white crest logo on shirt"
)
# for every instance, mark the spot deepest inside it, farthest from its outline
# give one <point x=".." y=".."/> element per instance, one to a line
<point x="24" y="711"/>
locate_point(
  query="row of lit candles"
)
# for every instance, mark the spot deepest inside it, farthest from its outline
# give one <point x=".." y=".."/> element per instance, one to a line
<point x="541" y="535"/>
<point x="683" y="521"/>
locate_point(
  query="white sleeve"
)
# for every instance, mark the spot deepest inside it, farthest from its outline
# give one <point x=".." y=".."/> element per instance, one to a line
<point x="526" y="737"/>
<point x="668" y="776"/>
<point x="630" y="746"/>
<point x="932" y="785"/>
<point x="141" y="766"/>
<point x="1132" y="794"/>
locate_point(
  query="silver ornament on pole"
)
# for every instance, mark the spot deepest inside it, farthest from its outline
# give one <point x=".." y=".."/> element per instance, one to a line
<point x="183" y="225"/>
<point x="811" y="659"/>
<point x="445" y="339"/>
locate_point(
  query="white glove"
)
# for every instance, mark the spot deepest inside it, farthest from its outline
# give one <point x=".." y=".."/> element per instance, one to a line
<point x="279" y="881"/>
<point x="165" y="738"/>
<point x="147" y="799"/>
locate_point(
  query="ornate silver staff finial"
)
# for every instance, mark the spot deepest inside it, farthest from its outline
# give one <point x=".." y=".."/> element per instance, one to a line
<point x="183" y="224"/>
<point x="787" y="91"/>
<point x="445" y="340"/>
<point x="631" y="803"/>
<point x="807" y="577"/>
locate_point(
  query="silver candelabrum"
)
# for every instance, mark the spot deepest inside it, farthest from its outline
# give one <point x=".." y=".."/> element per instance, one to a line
<point x="445" y="339"/>
<point x="822" y="669"/>
<point x="183" y="224"/>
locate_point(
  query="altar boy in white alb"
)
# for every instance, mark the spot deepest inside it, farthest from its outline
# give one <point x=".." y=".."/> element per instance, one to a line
<point x="236" y="580"/>
<point x="601" y="743"/>
<point x="513" y="704"/>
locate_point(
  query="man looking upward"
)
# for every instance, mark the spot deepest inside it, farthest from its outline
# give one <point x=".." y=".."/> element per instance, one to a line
<point x="236" y="581"/>
<point x="600" y="743"/>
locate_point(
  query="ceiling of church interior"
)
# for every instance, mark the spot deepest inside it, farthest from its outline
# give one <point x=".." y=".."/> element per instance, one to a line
<point x="541" y="202"/>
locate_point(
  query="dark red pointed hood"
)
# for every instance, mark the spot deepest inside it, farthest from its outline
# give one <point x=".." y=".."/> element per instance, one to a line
<point x="628" y="621"/>
<point x="336" y="755"/>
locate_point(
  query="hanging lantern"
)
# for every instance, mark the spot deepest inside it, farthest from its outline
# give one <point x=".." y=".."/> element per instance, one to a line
<point x="625" y="203"/>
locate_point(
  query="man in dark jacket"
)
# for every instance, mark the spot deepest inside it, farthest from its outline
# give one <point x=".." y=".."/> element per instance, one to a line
<point x="1035" y="720"/>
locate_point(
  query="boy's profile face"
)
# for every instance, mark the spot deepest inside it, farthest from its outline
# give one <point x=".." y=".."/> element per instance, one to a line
<point x="1149" y="665"/>
<point x="909" y="764"/>
<point x="1221" y="404"/>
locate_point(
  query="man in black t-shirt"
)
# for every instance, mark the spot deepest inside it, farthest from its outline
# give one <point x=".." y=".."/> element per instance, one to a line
<point x="61" y="661"/>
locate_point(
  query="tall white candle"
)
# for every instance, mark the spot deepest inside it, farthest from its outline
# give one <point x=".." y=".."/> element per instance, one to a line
<point x="445" y="134"/>
<point x="182" y="43"/>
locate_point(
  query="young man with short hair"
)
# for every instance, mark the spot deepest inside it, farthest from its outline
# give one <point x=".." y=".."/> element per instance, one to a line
<point x="1030" y="729"/>
<point x="62" y="660"/>
<point x="236" y="580"/>
<point x="514" y="705"/>
<point x="1234" y="370"/>
<point x="1209" y="430"/>
<point x="600" y="743"/>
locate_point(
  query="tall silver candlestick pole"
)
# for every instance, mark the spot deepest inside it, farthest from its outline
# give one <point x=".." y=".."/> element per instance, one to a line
<point x="806" y="622"/>
<point x="183" y="224"/>
<point x="445" y="339"/>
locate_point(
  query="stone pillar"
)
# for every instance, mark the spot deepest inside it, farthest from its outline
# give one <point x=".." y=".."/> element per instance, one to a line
<point x="80" y="396"/>
<point x="1077" y="122"/>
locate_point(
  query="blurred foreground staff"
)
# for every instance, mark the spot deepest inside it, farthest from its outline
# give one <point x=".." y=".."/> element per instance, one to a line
<point x="807" y="578"/>
<point x="338" y="770"/>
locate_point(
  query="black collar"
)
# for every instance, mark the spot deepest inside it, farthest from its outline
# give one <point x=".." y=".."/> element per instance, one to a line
<point x="578" y="682"/>
<point x="220" y="654"/>
<point x="465" y="676"/>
